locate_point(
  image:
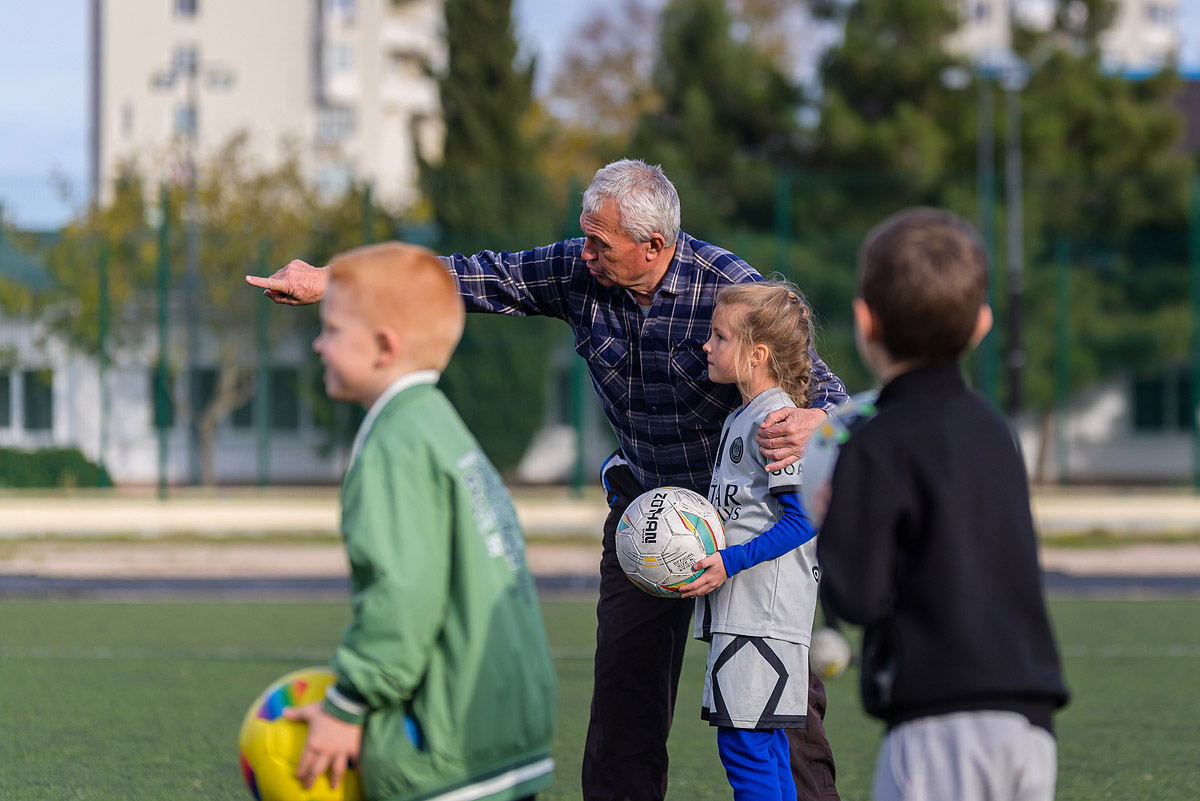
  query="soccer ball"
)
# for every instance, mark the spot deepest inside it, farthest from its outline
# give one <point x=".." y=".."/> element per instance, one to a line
<point x="662" y="534"/>
<point x="269" y="745"/>
<point x="821" y="453"/>
<point x="828" y="653"/>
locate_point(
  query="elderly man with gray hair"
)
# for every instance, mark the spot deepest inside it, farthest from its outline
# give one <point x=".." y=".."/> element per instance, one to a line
<point x="638" y="293"/>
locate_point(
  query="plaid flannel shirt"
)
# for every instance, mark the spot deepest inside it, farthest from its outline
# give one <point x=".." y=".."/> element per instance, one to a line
<point x="648" y="368"/>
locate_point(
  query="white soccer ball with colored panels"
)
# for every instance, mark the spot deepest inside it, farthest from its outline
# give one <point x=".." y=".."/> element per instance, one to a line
<point x="269" y="745"/>
<point x="662" y="534"/>
<point x="821" y="453"/>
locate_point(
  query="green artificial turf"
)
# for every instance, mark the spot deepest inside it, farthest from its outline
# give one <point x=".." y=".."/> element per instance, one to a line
<point x="129" y="701"/>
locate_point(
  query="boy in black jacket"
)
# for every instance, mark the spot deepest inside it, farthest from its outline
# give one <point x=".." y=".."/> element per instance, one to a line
<point x="928" y="542"/>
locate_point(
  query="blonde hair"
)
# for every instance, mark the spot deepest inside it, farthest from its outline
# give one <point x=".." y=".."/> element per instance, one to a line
<point x="775" y="314"/>
<point x="407" y="288"/>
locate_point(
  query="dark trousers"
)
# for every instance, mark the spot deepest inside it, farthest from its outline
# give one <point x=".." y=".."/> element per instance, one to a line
<point x="640" y="641"/>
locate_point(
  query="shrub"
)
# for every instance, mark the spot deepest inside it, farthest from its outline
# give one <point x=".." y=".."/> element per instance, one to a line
<point x="51" y="467"/>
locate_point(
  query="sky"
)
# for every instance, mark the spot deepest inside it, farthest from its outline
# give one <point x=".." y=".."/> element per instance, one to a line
<point x="44" y="98"/>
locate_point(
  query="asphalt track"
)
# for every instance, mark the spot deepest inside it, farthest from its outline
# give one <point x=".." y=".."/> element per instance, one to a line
<point x="57" y="546"/>
<point x="266" y="588"/>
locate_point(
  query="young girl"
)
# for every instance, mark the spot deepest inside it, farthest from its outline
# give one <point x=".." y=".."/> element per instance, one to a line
<point x="760" y="592"/>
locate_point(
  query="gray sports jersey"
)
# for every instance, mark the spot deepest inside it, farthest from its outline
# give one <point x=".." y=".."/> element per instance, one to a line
<point x="774" y="599"/>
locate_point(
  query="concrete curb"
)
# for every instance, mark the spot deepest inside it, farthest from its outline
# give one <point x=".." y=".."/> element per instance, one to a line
<point x="543" y="513"/>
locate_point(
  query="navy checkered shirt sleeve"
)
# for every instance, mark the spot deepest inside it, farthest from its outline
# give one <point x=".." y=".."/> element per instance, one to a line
<point x="526" y="283"/>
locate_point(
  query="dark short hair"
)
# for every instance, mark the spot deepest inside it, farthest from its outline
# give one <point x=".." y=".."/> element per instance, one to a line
<point x="924" y="274"/>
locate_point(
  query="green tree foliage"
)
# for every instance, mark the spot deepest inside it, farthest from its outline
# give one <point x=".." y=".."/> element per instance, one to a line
<point x="485" y="191"/>
<point x="487" y="194"/>
<point x="249" y="219"/>
<point x="1102" y="172"/>
<point x="726" y="120"/>
<point x="603" y="87"/>
<point x="1105" y="177"/>
<point x="884" y="109"/>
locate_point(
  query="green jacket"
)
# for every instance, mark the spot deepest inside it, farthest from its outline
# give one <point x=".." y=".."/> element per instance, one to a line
<point x="445" y="657"/>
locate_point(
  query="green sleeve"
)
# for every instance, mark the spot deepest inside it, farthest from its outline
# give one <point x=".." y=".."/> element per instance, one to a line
<point x="396" y="521"/>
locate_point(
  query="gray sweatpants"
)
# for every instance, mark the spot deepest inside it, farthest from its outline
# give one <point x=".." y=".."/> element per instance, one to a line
<point x="967" y="756"/>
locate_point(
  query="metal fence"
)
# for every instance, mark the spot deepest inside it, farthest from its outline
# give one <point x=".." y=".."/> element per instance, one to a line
<point x="1095" y="355"/>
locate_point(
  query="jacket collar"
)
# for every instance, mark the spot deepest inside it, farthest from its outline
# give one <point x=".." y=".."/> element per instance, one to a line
<point x="682" y="268"/>
<point x="928" y="379"/>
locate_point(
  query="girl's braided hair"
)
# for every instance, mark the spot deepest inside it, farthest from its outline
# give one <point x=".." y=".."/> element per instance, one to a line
<point x="775" y="313"/>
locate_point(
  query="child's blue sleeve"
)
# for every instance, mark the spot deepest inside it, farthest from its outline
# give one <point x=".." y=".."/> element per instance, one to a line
<point x="791" y="531"/>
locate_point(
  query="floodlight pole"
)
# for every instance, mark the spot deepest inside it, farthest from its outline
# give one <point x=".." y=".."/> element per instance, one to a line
<point x="985" y="158"/>
<point x="191" y="283"/>
<point x="1194" y="344"/>
<point x="190" y="72"/>
<point x="104" y="359"/>
<point x="1015" y="246"/>
<point x="162" y="394"/>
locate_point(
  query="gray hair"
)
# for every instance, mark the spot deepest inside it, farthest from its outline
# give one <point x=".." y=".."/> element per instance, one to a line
<point x="646" y="200"/>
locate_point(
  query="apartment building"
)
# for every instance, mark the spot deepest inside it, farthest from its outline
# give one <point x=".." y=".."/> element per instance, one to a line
<point x="347" y="83"/>
<point x="1144" y="35"/>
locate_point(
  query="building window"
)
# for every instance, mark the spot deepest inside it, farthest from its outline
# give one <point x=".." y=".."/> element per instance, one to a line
<point x="186" y="59"/>
<point x="334" y="124"/>
<point x="38" y="400"/>
<point x="342" y="9"/>
<point x="127" y="120"/>
<point x="185" y="120"/>
<point x="5" y="399"/>
<point x="186" y="8"/>
<point x="339" y="58"/>
<point x="1163" y="402"/>
<point x="243" y="416"/>
<point x="285" y="399"/>
<point x="201" y="389"/>
<point x="981" y="12"/>
<point x="407" y="65"/>
<point x="1160" y="14"/>
<point x="333" y="179"/>
<point x="162" y="404"/>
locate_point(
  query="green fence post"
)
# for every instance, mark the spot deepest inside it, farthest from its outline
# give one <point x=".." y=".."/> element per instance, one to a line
<point x="1194" y="349"/>
<point x="579" y="378"/>
<point x="262" y="381"/>
<point x="1062" y="352"/>
<point x="162" y="393"/>
<point x="368" y="215"/>
<point x="579" y="381"/>
<point x="986" y="177"/>
<point x="102" y="347"/>
<point x="783" y="224"/>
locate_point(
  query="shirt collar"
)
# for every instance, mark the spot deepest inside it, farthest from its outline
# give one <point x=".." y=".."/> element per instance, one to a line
<point x="395" y="388"/>
<point x="682" y="268"/>
<point x="933" y="378"/>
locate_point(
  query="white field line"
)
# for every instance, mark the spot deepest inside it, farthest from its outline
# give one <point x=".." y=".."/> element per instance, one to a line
<point x="321" y="655"/>
<point x="101" y="653"/>
<point x="1127" y="652"/>
<point x="161" y="653"/>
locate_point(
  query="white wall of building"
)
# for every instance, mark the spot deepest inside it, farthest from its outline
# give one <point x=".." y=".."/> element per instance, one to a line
<point x="125" y="439"/>
<point x="1099" y="443"/>
<point x="1144" y="35"/>
<point x="346" y="81"/>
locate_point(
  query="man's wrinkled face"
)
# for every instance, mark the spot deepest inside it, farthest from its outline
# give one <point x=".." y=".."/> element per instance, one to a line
<point x="611" y="255"/>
